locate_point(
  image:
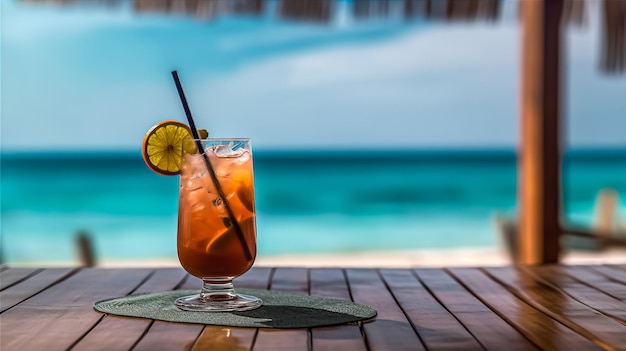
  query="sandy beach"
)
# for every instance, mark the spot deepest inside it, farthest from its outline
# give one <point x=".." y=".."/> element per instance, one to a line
<point x="461" y="257"/>
<point x="450" y="257"/>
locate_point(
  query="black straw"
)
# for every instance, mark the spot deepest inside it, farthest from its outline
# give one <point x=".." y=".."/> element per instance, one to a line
<point x="218" y="187"/>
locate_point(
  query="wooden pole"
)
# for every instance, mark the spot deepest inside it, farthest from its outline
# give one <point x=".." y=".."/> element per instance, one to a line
<point x="540" y="158"/>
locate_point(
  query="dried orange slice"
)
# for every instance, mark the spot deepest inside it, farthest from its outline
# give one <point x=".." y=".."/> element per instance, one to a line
<point x="162" y="146"/>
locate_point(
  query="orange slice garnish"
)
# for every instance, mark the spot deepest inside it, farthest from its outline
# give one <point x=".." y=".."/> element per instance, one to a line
<point x="163" y="144"/>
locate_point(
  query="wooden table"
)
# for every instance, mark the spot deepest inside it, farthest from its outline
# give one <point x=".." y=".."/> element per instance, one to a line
<point x="505" y="308"/>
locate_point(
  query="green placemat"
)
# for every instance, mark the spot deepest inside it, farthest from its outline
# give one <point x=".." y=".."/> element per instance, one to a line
<point x="279" y="310"/>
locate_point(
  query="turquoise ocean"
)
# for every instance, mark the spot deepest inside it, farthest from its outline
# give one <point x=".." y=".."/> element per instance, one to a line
<point x="307" y="201"/>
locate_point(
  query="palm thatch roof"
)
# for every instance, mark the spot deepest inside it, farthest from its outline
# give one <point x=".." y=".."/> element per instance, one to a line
<point x="613" y="14"/>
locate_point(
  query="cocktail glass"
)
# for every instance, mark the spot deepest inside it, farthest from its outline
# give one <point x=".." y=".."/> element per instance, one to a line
<point x="216" y="222"/>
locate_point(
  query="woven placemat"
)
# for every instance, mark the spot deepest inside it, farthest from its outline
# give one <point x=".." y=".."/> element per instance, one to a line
<point x="279" y="310"/>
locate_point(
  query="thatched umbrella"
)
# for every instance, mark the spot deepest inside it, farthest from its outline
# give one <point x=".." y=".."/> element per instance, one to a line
<point x="571" y="11"/>
<point x="614" y="38"/>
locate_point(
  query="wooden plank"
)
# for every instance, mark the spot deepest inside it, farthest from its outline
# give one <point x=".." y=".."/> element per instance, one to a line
<point x="540" y="108"/>
<point x="163" y="279"/>
<point x="13" y="276"/>
<point x="556" y="278"/>
<point x="292" y="280"/>
<point x="113" y="333"/>
<point x="587" y="322"/>
<point x="612" y="273"/>
<point x="436" y="326"/>
<point x="21" y="291"/>
<point x="173" y="336"/>
<point x="330" y="282"/>
<point x="121" y="333"/>
<point x="596" y="280"/>
<point x="190" y="283"/>
<point x="391" y="330"/>
<point x="539" y="328"/>
<point x="229" y="338"/>
<point x="225" y="338"/>
<point x="169" y="336"/>
<point x="57" y="317"/>
<point x="255" y="278"/>
<point x="491" y="331"/>
<point x="281" y="340"/>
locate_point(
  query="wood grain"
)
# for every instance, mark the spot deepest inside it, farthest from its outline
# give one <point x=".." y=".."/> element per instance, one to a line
<point x="292" y="280"/>
<point x="513" y="308"/>
<point x="255" y="278"/>
<point x="218" y="338"/>
<point x="435" y="325"/>
<point x="26" y="288"/>
<point x="168" y="336"/>
<point x="539" y="160"/>
<point x="57" y="317"/>
<point x="13" y="276"/>
<point x="593" y="298"/>
<point x="121" y="333"/>
<point x="331" y="282"/>
<point x="596" y="280"/>
<point x="391" y="330"/>
<point x="229" y="338"/>
<point x="616" y="273"/>
<point x="489" y="329"/>
<point x="161" y="335"/>
<point x="539" y="328"/>
<point x="561" y="307"/>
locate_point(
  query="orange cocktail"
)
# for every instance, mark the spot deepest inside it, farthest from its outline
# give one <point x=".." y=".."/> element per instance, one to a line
<point x="208" y="245"/>
<point x="216" y="222"/>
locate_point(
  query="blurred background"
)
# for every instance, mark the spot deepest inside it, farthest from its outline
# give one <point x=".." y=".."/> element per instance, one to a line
<point x="378" y="126"/>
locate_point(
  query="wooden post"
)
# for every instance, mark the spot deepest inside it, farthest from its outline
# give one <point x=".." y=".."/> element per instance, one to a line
<point x="539" y="157"/>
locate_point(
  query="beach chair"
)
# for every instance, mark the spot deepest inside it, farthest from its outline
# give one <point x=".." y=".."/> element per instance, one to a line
<point x="608" y="228"/>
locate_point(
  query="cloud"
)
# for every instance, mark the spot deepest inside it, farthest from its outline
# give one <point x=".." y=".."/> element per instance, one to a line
<point x="427" y="87"/>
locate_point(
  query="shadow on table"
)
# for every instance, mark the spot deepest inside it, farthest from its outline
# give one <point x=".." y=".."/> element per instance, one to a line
<point x="282" y="316"/>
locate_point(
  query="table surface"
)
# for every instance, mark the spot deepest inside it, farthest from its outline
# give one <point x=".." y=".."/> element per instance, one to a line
<point x="517" y="308"/>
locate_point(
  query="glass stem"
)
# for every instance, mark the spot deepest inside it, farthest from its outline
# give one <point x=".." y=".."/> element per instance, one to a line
<point x="217" y="290"/>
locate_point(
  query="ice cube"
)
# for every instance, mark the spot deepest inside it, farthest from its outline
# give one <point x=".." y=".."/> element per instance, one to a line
<point x="193" y="184"/>
<point x="230" y="150"/>
<point x="198" y="207"/>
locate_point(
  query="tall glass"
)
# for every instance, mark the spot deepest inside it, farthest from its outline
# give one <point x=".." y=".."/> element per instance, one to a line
<point x="216" y="222"/>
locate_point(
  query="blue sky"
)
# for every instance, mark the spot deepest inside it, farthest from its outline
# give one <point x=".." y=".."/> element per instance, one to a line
<point x="96" y="78"/>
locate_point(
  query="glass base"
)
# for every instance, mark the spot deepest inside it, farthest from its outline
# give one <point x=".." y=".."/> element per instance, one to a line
<point x="236" y="302"/>
<point x="218" y="295"/>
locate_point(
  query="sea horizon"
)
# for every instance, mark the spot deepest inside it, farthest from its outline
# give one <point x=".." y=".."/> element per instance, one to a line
<point x="308" y="202"/>
<point x="334" y="151"/>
